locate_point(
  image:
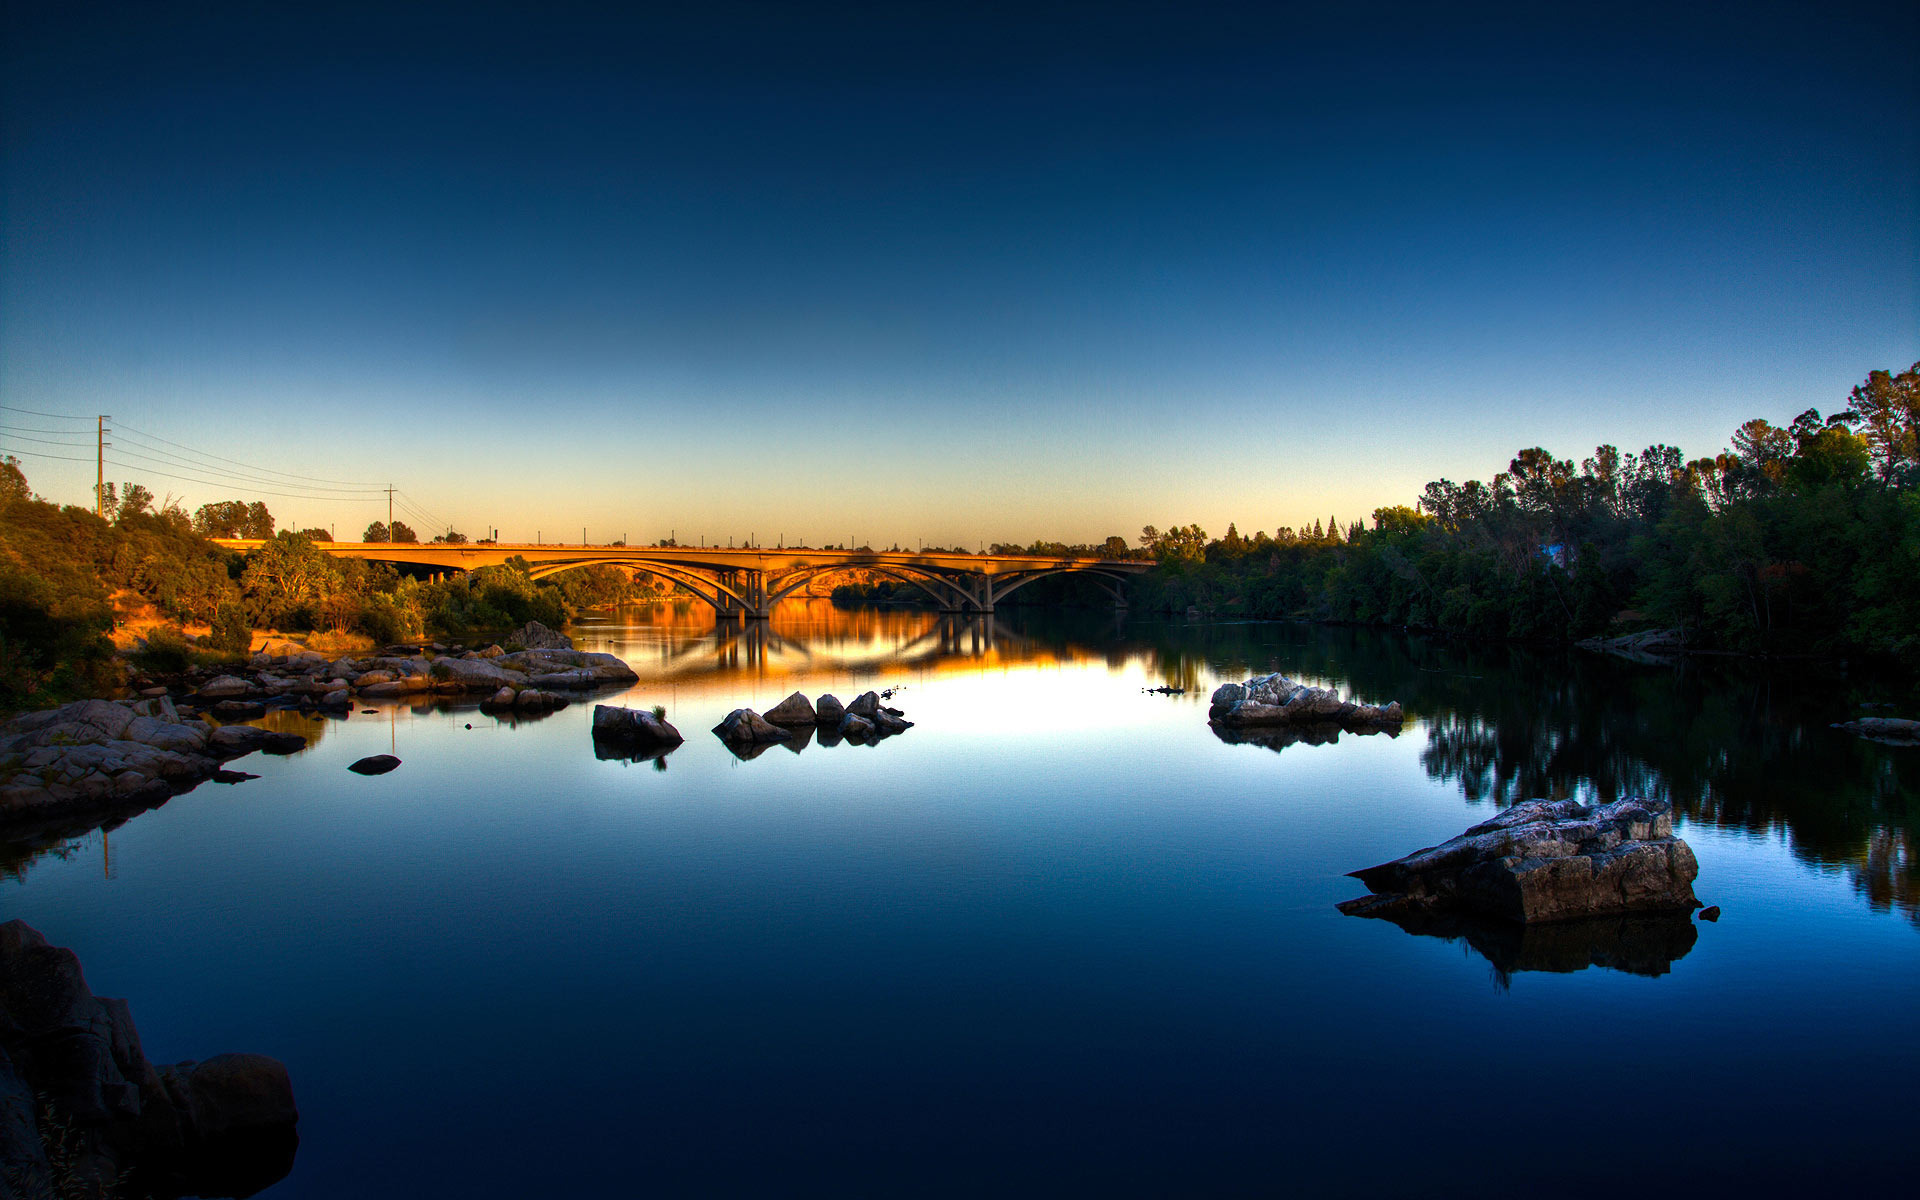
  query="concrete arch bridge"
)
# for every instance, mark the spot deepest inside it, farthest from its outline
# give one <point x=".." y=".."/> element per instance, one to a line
<point x="749" y="582"/>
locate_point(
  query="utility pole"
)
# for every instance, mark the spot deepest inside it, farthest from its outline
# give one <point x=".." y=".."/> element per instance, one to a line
<point x="389" y="512"/>
<point x="100" y="470"/>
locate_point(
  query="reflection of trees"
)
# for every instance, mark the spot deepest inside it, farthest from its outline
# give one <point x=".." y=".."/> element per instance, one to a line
<point x="1731" y="743"/>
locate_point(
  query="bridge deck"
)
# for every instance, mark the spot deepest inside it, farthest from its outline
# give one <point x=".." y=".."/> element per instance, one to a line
<point x="468" y="556"/>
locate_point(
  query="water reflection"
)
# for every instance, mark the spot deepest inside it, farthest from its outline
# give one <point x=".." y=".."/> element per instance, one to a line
<point x="1643" y="944"/>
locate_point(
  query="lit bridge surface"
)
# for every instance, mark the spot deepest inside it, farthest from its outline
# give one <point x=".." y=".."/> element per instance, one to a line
<point x="750" y="582"/>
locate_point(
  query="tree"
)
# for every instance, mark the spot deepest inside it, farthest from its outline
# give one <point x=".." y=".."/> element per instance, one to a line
<point x="1888" y="406"/>
<point x="316" y="535"/>
<point x="233" y="519"/>
<point x="400" y="533"/>
<point x="134" y="500"/>
<point x="13" y="482"/>
<point x="376" y="532"/>
<point x="451" y="538"/>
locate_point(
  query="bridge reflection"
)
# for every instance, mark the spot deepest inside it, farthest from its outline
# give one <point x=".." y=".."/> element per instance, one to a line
<point x="805" y="638"/>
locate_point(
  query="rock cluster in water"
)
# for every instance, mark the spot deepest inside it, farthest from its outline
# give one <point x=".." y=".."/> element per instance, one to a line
<point x="83" y="1113"/>
<point x="795" y="719"/>
<point x="1275" y="700"/>
<point x="1896" y="731"/>
<point x="1545" y="860"/>
<point x="132" y="754"/>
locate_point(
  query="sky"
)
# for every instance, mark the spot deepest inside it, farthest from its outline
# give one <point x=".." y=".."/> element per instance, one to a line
<point x="929" y="273"/>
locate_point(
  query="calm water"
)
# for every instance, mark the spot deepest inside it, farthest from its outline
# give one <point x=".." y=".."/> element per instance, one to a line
<point x="1059" y="937"/>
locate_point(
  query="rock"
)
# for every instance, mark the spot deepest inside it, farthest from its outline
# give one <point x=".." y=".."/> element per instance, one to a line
<point x="828" y="710"/>
<point x="535" y="700"/>
<point x="225" y="686"/>
<point x="1654" y="646"/>
<point x="1268" y="700"/>
<point x="500" y="701"/>
<point x="473" y="675"/>
<point x="405" y="686"/>
<point x="746" y="726"/>
<point x="1896" y="731"/>
<point x="865" y="705"/>
<point x="338" y="699"/>
<point x="889" y="721"/>
<point x="223" y="1127"/>
<point x="1710" y="913"/>
<point x="1543" y="861"/>
<point x="239" y="710"/>
<point x="794" y="710"/>
<point x="855" y="728"/>
<point x="378" y="764"/>
<point x="493" y="651"/>
<point x="634" y="725"/>
<point x="535" y="636"/>
<point x="232" y="741"/>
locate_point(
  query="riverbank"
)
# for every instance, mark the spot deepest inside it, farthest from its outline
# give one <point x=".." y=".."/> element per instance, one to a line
<point x="101" y="758"/>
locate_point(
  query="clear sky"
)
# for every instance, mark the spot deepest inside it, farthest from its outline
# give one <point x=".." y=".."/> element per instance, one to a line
<point x="934" y="272"/>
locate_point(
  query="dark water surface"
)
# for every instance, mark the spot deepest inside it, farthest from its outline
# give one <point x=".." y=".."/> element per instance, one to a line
<point x="1057" y="938"/>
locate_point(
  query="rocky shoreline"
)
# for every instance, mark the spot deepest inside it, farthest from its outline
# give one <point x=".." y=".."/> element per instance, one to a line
<point x="102" y="757"/>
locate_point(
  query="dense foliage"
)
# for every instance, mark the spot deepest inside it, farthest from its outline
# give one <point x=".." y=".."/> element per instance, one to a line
<point x="1797" y="539"/>
<point x="62" y="570"/>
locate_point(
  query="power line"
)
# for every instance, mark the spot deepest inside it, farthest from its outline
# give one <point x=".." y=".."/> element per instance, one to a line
<point x="234" y="478"/>
<point x="226" y="484"/>
<point x="34" y="412"/>
<point x="226" y="460"/>
<point x="15" y="437"/>
<point x="36" y="429"/>
<point x="56" y="457"/>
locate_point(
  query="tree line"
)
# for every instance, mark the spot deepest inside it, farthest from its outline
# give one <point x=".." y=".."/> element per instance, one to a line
<point x="1802" y="538"/>
<point x="68" y="573"/>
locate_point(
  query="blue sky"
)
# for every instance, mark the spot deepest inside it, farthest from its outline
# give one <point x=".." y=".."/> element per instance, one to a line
<point x="931" y="272"/>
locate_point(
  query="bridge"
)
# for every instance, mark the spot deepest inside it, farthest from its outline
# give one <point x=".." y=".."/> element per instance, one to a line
<point x="749" y="582"/>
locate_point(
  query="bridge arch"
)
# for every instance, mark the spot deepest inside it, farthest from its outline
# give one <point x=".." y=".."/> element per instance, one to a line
<point x="1107" y="581"/>
<point x="707" y="589"/>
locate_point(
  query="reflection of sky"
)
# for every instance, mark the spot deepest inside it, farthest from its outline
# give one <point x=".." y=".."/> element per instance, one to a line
<point x="1056" y="904"/>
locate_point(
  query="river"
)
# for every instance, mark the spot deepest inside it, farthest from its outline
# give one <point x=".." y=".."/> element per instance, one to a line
<point x="1058" y="937"/>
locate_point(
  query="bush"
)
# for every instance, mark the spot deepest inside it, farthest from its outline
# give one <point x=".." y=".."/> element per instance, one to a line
<point x="231" y="634"/>
<point x="165" y="651"/>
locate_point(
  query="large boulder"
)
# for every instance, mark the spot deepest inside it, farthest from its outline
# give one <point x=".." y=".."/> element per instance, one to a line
<point x="535" y="636"/>
<point x="1545" y="860"/>
<point x="1268" y="700"/>
<point x="865" y="704"/>
<point x="222" y="1127"/>
<point x="828" y="710"/>
<point x="743" y="725"/>
<point x="794" y="710"/>
<point x="635" y="726"/>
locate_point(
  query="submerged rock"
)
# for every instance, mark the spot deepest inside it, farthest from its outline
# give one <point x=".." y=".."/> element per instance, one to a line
<point x="222" y="1127"/>
<point x="1270" y="700"/>
<point x="1544" y="860"/>
<point x="377" y="764"/>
